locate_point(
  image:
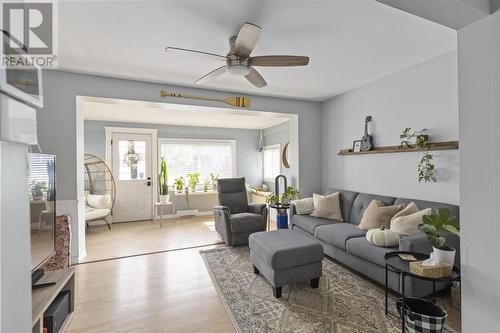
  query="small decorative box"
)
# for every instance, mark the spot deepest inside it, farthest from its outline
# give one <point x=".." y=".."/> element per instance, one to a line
<point x="439" y="271"/>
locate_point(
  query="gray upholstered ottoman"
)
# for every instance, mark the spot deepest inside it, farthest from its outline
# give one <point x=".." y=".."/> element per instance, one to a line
<point x="285" y="257"/>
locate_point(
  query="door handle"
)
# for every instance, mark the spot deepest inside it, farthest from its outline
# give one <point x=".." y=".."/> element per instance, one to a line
<point x="148" y="183"/>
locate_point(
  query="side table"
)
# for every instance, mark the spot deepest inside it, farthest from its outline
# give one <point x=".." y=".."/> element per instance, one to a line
<point x="162" y="207"/>
<point x="394" y="263"/>
<point x="281" y="215"/>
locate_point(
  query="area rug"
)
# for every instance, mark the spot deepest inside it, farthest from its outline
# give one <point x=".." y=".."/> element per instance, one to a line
<point x="343" y="303"/>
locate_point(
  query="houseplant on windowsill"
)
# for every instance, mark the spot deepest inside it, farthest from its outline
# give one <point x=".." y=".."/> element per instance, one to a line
<point x="163" y="182"/>
<point x="206" y="183"/>
<point x="433" y="227"/>
<point x="214" y="179"/>
<point x="37" y="189"/>
<point x="193" y="180"/>
<point x="49" y="201"/>
<point x="179" y="184"/>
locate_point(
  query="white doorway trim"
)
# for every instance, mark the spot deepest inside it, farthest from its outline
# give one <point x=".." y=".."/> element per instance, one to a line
<point x="154" y="149"/>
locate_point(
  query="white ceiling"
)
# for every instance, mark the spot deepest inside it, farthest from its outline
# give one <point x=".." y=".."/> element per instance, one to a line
<point x="350" y="42"/>
<point x="117" y="110"/>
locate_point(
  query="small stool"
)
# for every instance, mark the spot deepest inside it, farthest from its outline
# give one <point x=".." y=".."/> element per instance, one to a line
<point x="285" y="257"/>
<point x="162" y="207"/>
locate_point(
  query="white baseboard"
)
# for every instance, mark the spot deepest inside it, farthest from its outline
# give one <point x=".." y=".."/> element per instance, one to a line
<point x="202" y="213"/>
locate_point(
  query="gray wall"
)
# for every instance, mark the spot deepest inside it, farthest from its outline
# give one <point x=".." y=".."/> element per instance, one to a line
<point x="279" y="134"/>
<point x="57" y="120"/>
<point x="479" y="77"/>
<point x="425" y="96"/>
<point x="247" y="157"/>
<point x="247" y="141"/>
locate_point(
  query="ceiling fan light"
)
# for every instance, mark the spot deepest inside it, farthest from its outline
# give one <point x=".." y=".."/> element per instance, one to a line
<point x="239" y="70"/>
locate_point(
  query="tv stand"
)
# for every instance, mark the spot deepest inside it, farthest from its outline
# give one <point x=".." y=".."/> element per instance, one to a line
<point x="43" y="294"/>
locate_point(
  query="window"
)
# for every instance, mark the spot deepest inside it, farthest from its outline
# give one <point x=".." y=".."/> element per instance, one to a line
<point x="203" y="156"/>
<point x="271" y="162"/>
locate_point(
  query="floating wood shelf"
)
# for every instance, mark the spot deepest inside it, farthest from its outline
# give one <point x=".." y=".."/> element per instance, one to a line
<point x="448" y="145"/>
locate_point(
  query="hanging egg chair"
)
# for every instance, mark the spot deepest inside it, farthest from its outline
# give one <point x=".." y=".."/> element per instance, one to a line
<point x="100" y="190"/>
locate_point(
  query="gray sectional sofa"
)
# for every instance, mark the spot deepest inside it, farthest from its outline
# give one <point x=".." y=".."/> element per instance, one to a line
<point x="344" y="242"/>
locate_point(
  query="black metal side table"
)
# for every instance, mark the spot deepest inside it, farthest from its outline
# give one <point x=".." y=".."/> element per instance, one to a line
<point x="394" y="263"/>
<point x="281" y="215"/>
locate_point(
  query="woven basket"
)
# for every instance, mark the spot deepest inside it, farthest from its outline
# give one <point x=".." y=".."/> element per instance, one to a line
<point x="440" y="271"/>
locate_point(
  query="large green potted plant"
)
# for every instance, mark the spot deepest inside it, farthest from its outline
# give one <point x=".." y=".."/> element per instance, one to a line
<point x="193" y="180"/>
<point x="163" y="182"/>
<point x="434" y="226"/>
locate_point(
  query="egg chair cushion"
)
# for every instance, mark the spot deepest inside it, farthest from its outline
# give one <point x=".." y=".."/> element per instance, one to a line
<point x="96" y="214"/>
<point x="99" y="201"/>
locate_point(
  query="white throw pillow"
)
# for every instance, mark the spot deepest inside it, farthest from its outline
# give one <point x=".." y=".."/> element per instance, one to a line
<point x="99" y="201"/>
<point x="382" y="237"/>
<point x="405" y="223"/>
<point x="304" y="206"/>
<point x="327" y="207"/>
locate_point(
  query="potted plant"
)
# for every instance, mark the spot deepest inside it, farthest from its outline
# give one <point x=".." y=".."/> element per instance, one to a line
<point x="37" y="190"/>
<point x="214" y="179"/>
<point x="206" y="183"/>
<point x="272" y="199"/>
<point x="179" y="184"/>
<point x="433" y="227"/>
<point x="163" y="182"/>
<point x="289" y="195"/>
<point x="193" y="180"/>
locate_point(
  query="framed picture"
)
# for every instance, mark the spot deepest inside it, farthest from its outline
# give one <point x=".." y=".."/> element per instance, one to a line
<point x="356" y="146"/>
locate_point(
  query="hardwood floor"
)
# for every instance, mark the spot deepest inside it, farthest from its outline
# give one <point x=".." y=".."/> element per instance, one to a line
<point x="134" y="238"/>
<point x="164" y="292"/>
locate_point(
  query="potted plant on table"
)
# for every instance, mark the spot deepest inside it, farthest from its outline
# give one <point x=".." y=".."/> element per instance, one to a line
<point x="433" y="227"/>
<point x="163" y="182"/>
<point x="272" y="199"/>
<point x="193" y="180"/>
<point x="290" y="194"/>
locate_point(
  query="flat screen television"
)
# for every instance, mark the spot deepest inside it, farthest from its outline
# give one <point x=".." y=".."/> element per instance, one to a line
<point x="42" y="194"/>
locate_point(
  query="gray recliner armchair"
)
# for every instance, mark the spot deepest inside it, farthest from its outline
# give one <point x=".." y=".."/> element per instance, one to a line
<point x="235" y="219"/>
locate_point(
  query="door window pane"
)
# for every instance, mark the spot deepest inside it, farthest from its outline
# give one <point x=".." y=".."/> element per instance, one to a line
<point x="132" y="159"/>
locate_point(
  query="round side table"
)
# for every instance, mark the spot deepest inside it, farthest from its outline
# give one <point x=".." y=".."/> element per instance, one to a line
<point x="162" y="207"/>
<point x="281" y="215"/>
<point x="394" y="263"/>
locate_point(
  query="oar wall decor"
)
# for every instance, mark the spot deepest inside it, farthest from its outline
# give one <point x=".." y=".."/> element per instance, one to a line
<point x="241" y="102"/>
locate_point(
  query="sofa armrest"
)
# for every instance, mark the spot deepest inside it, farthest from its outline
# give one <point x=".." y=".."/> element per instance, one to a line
<point x="222" y="209"/>
<point x="293" y="210"/>
<point x="415" y="243"/>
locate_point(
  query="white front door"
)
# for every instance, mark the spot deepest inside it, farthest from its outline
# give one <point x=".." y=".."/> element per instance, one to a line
<point x="132" y="168"/>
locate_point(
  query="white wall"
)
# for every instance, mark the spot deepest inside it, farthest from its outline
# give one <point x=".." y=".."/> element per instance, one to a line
<point x="479" y="77"/>
<point x="424" y="96"/>
<point x="15" y="247"/>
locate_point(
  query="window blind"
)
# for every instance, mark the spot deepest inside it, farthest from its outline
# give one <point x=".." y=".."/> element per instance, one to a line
<point x="205" y="157"/>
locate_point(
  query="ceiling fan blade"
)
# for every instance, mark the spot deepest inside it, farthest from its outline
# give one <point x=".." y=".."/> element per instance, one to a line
<point x="256" y="79"/>
<point x="180" y="50"/>
<point x="279" y="61"/>
<point x="246" y="40"/>
<point x="212" y="75"/>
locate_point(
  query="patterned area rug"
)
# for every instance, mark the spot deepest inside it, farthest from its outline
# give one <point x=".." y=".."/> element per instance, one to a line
<point x="343" y="303"/>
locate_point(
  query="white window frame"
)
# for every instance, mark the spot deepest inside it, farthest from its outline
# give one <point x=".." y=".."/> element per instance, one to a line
<point x="232" y="143"/>
<point x="269" y="147"/>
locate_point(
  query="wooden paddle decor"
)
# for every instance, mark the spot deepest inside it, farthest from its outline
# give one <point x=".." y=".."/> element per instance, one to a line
<point x="241" y="102"/>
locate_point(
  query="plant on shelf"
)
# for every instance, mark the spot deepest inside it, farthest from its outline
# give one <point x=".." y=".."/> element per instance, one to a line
<point x="38" y="189"/>
<point x="426" y="166"/>
<point x="193" y="180"/>
<point x="426" y="169"/>
<point x="290" y="194"/>
<point x="179" y="184"/>
<point x="163" y="181"/>
<point x="214" y="178"/>
<point x="434" y="225"/>
<point x="206" y="183"/>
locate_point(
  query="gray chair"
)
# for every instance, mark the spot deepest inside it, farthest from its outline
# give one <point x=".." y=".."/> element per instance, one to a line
<point x="235" y="218"/>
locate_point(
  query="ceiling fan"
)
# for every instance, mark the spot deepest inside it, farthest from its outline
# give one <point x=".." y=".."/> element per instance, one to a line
<point x="238" y="60"/>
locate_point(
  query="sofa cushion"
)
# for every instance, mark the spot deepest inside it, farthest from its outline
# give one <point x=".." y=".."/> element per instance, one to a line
<point x="422" y="204"/>
<point x="360" y="247"/>
<point x="346" y="201"/>
<point x="246" y="222"/>
<point x="338" y="233"/>
<point x="362" y="201"/>
<point x="281" y="249"/>
<point x="377" y="215"/>
<point x="309" y="223"/>
<point x="327" y="206"/>
<point x="406" y="222"/>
